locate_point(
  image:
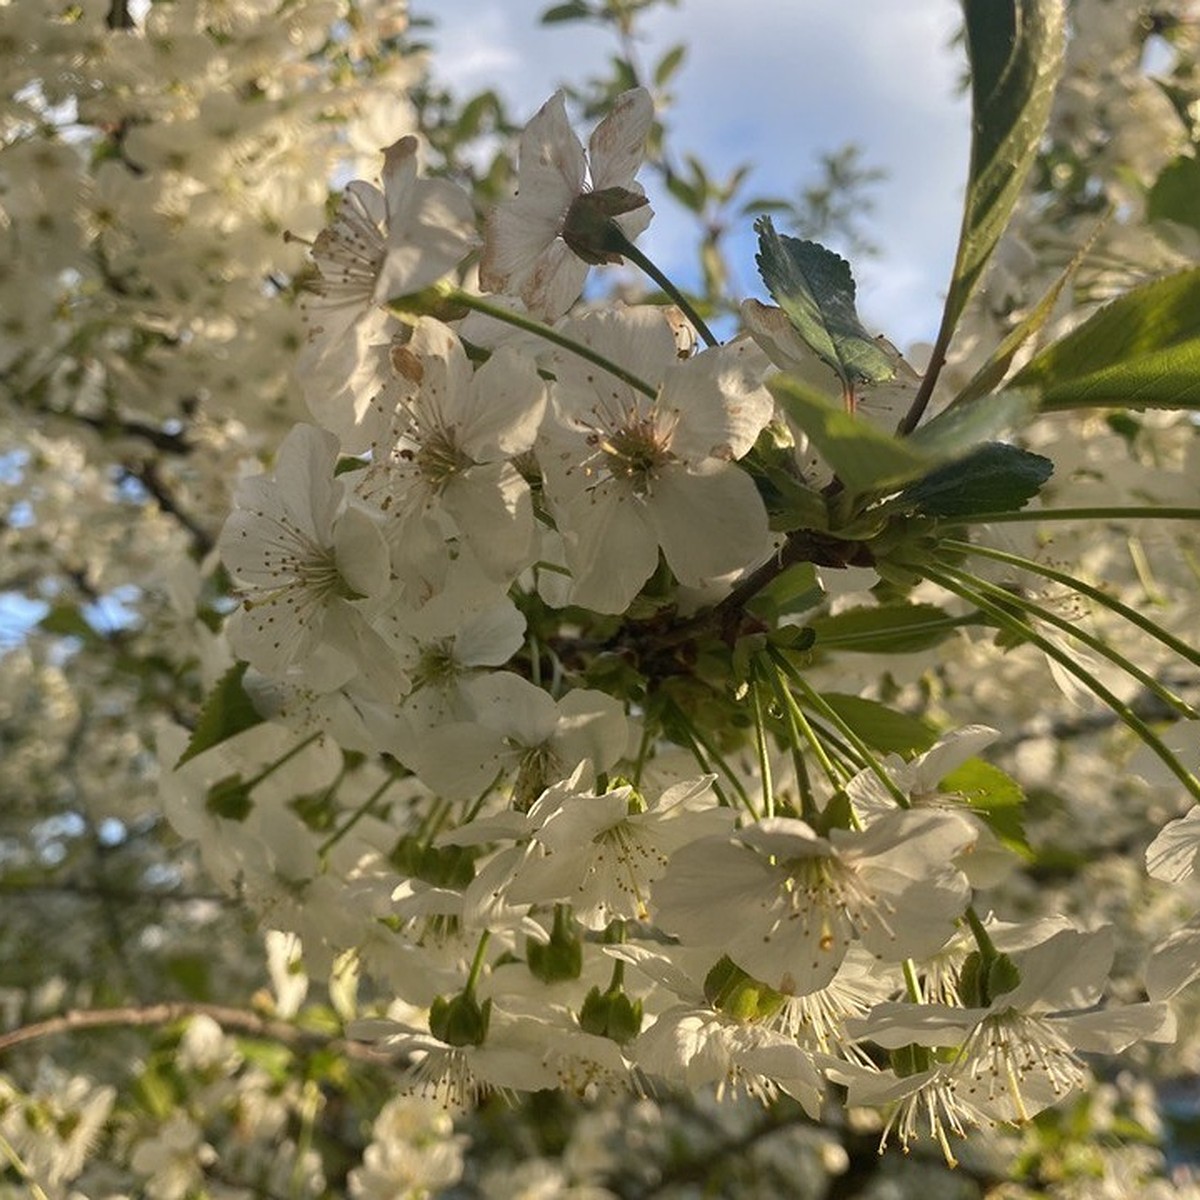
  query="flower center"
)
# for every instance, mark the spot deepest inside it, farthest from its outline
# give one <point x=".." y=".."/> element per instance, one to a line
<point x="636" y="453"/>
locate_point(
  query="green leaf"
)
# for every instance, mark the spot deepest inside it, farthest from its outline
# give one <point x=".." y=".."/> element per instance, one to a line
<point x="1175" y="195"/>
<point x="227" y="711"/>
<point x="881" y="727"/>
<point x="962" y="428"/>
<point x="864" y="457"/>
<point x="994" y="478"/>
<point x="816" y="290"/>
<point x="576" y="10"/>
<point x="900" y="628"/>
<point x="1015" y="48"/>
<point x="67" y="621"/>
<point x="669" y="64"/>
<point x="995" y="796"/>
<point x="1140" y="351"/>
<point x="794" y="590"/>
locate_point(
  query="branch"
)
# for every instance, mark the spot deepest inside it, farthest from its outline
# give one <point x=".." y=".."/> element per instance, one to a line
<point x="147" y="475"/>
<point x="165" y="1014"/>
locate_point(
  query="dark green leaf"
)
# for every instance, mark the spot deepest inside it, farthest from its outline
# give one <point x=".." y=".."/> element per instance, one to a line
<point x="228" y="711"/>
<point x="67" y="621"/>
<point x="576" y="10"/>
<point x="994" y="478"/>
<point x="816" y="290"/>
<point x="1140" y="351"/>
<point x="881" y="727"/>
<point x="864" y="457"/>
<point x="1175" y="195"/>
<point x="1015" y="49"/>
<point x="884" y="629"/>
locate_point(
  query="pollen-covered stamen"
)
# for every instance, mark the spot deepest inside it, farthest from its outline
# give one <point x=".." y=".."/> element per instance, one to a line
<point x="440" y="458"/>
<point x="834" y="901"/>
<point x="437" y="663"/>
<point x="935" y="1110"/>
<point x="306" y="572"/>
<point x="1009" y="1052"/>
<point x="349" y="254"/>
<point x="635" y="859"/>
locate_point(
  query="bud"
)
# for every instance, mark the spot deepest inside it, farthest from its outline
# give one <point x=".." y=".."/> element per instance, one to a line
<point x="611" y="1014"/>
<point x="461" y="1020"/>
<point x="730" y="990"/>
<point x="558" y="959"/>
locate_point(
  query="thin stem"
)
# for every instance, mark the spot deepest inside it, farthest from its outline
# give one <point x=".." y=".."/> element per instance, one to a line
<point x="549" y="334"/>
<point x="983" y="939"/>
<point x="817" y="701"/>
<point x="358" y="814"/>
<point x="639" y="259"/>
<point x="699" y="741"/>
<point x="810" y="736"/>
<point x="1004" y="596"/>
<point x="912" y="984"/>
<point x="764" y="757"/>
<point x="18" y="1164"/>
<point x="1022" y="629"/>
<point x="1098" y="512"/>
<point x="1084" y="589"/>
<point x="808" y="802"/>
<point x="280" y="761"/>
<point x="477" y="963"/>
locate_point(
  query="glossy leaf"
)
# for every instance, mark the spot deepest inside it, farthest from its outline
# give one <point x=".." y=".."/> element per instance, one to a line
<point x="227" y="711"/>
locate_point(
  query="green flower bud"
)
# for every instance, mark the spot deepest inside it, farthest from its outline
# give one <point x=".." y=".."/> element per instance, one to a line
<point x="460" y="1020"/>
<point x="730" y="990"/>
<point x="611" y="1014"/>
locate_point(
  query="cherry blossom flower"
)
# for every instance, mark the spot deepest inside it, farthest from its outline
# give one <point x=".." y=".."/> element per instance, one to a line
<point x="786" y="904"/>
<point x="1020" y="1053"/>
<point x="602" y="853"/>
<point x="627" y="474"/>
<point x="452" y="434"/>
<point x="303" y="556"/>
<point x="524" y="253"/>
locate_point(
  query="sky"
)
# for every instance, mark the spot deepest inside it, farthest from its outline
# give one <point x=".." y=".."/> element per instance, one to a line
<point x="774" y="83"/>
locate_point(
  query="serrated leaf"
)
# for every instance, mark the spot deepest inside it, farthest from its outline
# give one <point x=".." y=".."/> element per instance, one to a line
<point x="881" y="727"/>
<point x="1140" y="351"/>
<point x="884" y="629"/>
<point x="995" y="796"/>
<point x="962" y="428"/>
<point x="993" y="478"/>
<point x="1015" y="48"/>
<point x="227" y="711"/>
<point x="816" y="290"/>
<point x="862" y="456"/>
<point x="1175" y="195"/>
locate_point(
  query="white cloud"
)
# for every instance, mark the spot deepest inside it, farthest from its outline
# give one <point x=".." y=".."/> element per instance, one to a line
<point x="772" y="82"/>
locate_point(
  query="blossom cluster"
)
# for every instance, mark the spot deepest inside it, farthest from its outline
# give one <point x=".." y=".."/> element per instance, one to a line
<point x="494" y="566"/>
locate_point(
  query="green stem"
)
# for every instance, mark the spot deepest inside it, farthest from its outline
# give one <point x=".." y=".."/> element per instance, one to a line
<point x="628" y="250"/>
<point x="802" y="722"/>
<point x="1084" y="589"/>
<point x="808" y="802"/>
<point x="1098" y="512"/>
<point x="1023" y="630"/>
<point x="764" y="758"/>
<point x="358" y="814"/>
<point x="477" y="963"/>
<point x="700" y="742"/>
<point x="270" y="768"/>
<point x="912" y="985"/>
<point x="1004" y="596"/>
<point x="547" y="333"/>
<point x="816" y="701"/>
<point x="983" y="940"/>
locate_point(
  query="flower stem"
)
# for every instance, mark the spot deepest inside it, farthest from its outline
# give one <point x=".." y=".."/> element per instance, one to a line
<point x="358" y="814"/>
<point x="764" y="758"/>
<point x="1097" y="512"/>
<point x="1023" y="629"/>
<point x="1005" y="596"/>
<point x="544" y="331"/>
<point x="818" y="702"/>
<point x="1084" y="589"/>
<point x="628" y="250"/>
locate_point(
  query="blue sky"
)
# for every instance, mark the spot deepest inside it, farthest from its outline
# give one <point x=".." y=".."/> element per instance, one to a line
<point x="775" y="83"/>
